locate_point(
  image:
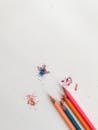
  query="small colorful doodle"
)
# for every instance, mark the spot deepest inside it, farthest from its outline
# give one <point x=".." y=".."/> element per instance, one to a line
<point x="42" y="70"/>
<point x="31" y="100"/>
<point x="67" y="81"/>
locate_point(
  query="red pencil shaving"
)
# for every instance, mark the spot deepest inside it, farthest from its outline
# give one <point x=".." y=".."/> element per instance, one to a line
<point x="76" y="87"/>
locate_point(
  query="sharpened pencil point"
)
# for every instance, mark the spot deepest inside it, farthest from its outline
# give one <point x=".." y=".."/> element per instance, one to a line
<point x="62" y="105"/>
<point x="65" y="90"/>
<point x="51" y="98"/>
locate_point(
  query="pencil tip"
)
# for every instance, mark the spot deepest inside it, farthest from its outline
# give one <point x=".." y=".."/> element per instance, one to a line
<point x="62" y="98"/>
<point x="65" y="90"/>
<point x="51" y="98"/>
<point x="62" y="104"/>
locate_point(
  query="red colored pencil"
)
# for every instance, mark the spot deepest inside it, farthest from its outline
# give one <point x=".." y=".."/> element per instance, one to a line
<point x="69" y="96"/>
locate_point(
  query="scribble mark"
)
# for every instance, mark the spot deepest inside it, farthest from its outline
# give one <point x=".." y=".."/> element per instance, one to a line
<point x="42" y="70"/>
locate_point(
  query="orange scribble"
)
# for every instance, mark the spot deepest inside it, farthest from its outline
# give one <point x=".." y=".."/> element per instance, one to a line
<point x="31" y="100"/>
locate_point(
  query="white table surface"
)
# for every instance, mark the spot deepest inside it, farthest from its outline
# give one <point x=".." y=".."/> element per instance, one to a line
<point x="63" y="34"/>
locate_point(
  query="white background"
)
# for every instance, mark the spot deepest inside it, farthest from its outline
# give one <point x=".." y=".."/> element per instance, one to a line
<point x="63" y="34"/>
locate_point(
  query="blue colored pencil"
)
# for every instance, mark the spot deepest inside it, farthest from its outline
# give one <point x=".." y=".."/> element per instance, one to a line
<point x="69" y="115"/>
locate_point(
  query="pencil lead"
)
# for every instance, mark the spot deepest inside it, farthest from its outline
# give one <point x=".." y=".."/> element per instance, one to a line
<point x="64" y="98"/>
<point x="65" y="90"/>
<point x="62" y="105"/>
<point x="51" y="98"/>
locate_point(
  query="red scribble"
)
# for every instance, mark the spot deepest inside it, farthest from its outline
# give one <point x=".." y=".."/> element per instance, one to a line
<point x="31" y="100"/>
<point x="67" y="81"/>
<point x="76" y="87"/>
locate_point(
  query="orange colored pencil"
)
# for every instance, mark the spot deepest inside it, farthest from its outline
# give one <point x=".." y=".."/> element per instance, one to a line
<point x="61" y="112"/>
<point x="74" y="110"/>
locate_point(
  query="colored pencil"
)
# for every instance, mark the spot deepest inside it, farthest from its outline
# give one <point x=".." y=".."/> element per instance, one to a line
<point x="76" y="113"/>
<point x="70" y="116"/>
<point x="61" y="112"/>
<point x="69" y="96"/>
